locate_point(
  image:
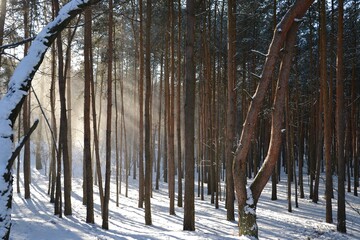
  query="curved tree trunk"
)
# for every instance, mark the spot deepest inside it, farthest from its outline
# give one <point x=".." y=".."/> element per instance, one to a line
<point x="285" y="30"/>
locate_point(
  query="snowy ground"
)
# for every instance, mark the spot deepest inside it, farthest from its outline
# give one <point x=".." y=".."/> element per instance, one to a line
<point x="34" y="219"/>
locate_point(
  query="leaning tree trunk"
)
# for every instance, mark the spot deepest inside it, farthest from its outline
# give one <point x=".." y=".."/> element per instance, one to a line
<point x="11" y="103"/>
<point x="247" y="199"/>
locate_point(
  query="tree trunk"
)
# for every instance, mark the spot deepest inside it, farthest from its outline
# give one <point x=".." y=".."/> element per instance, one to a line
<point x="68" y="94"/>
<point x="327" y="116"/>
<point x="105" y="212"/>
<point x="178" y="129"/>
<point x="87" y="133"/>
<point x="96" y="132"/>
<point x="117" y="157"/>
<point x="148" y="169"/>
<point x="52" y="175"/>
<point x="189" y="109"/>
<point x="355" y="107"/>
<point x="63" y="143"/>
<point x="319" y="148"/>
<point x="26" y="112"/>
<point x="274" y="176"/>
<point x="38" y="150"/>
<point x="340" y="136"/>
<point x="170" y="145"/>
<point x="231" y="110"/>
<point x="159" y="125"/>
<point x="141" y="109"/>
<point x="248" y="199"/>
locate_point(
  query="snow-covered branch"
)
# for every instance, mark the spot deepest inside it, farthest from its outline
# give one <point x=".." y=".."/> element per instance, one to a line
<point x="18" y="88"/>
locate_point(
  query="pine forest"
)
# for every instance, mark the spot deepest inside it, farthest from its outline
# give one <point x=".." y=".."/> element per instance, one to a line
<point x="179" y="119"/>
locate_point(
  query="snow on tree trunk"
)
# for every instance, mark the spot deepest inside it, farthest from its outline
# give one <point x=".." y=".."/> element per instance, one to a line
<point x="247" y="198"/>
<point x="247" y="217"/>
<point x="11" y="103"/>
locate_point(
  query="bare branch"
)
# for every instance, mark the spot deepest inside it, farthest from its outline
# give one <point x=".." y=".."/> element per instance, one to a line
<point x="14" y="45"/>
<point x="22" y="142"/>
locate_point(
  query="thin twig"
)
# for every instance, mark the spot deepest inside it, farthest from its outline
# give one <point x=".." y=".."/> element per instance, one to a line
<point x="46" y="120"/>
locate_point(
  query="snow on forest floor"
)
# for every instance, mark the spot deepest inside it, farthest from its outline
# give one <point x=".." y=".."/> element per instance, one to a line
<point x="34" y="219"/>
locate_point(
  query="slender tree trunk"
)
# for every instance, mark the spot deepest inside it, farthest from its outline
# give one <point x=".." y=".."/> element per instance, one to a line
<point x="68" y="95"/>
<point x="288" y="147"/>
<point x="355" y="107"/>
<point x="52" y="176"/>
<point x="141" y="109"/>
<point x="38" y="152"/>
<point x="123" y="127"/>
<point x="18" y="161"/>
<point x="148" y="168"/>
<point x="189" y="109"/>
<point x="274" y="176"/>
<point x="96" y="133"/>
<point x="26" y="111"/>
<point x="301" y="157"/>
<point x="87" y="133"/>
<point x="178" y="129"/>
<point x="159" y="125"/>
<point x="117" y="157"/>
<point x="231" y="110"/>
<point x="340" y="136"/>
<point x="105" y="212"/>
<point x="312" y="120"/>
<point x="327" y="116"/>
<point x="170" y="148"/>
<point x="319" y="148"/>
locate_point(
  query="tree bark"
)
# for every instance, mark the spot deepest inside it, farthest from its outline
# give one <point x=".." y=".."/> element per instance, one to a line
<point x="105" y="212"/>
<point x="178" y="129"/>
<point x="87" y="132"/>
<point x="159" y="125"/>
<point x="231" y="110"/>
<point x="327" y="115"/>
<point x="26" y="111"/>
<point x="340" y="122"/>
<point x="148" y="169"/>
<point x="141" y="109"/>
<point x="171" y="125"/>
<point x="189" y="109"/>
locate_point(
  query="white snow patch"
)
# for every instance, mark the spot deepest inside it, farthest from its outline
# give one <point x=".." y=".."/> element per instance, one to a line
<point x="34" y="219"/>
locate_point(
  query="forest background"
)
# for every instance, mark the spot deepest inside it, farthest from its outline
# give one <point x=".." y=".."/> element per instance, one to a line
<point x="118" y="125"/>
